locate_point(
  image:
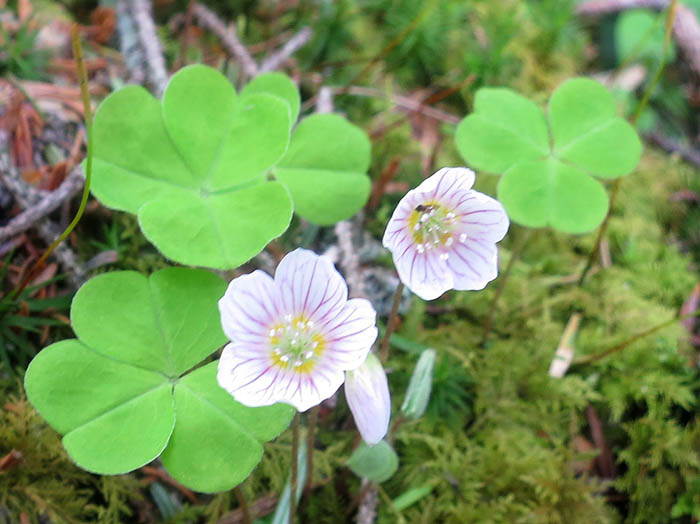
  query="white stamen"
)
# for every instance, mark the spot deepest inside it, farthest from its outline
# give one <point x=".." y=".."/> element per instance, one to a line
<point x="449" y="241"/>
<point x="272" y="332"/>
<point x="444" y="256"/>
<point x="420" y="248"/>
<point x="284" y="358"/>
<point x="309" y="354"/>
<point x="297" y="363"/>
<point x="463" y="237"/>
<point x="424" y="218"/>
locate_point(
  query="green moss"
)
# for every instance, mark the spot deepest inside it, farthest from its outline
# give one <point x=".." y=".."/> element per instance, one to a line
<point x="515" y="460"/>
<point x="46" y="482"/>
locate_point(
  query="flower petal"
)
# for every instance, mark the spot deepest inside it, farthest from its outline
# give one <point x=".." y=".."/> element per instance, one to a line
<point x="447" y="180"/>
<point x="350" y="335"/>
<point x="301" y="390"/>
<point x="249" y="306"/>
<point x="482" y="217"/>
<point x="309" y="284"/>
<point x="239" y="370"/>
<point x="367" y="393"/>
<point x="425" y="274"/>
<point x="473" y="264"/>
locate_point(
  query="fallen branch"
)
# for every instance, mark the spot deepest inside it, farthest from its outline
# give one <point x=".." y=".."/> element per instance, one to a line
<point x="259" y="508"/>
<point x="228" y="38"/>
<point x="367" y="511"/>
<point x="129" y="44"/>
<point x="690" y="155"/>
<point x="401" y="101"/>
<point x="158" y="75"/>
<point x="686" y="28"/>
<point x="27" y="197"/>
<point x="293" y="44"/>
<point x="70" y="187"/>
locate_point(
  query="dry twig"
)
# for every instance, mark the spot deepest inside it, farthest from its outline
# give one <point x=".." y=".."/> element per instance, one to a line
<point x="228" y="38"/>
<point x="293" y="44"/>
<point x="70" y="187"/>
<point x="401" y="101"/>
<point x="27" y="197"/>
<point x="367" y="511"/>
<point x="158" y="75"/>
<point x="129" y="44"/>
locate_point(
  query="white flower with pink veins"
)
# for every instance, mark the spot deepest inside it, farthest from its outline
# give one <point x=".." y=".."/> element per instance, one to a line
<point x="294" y="336"/>
<point x="443" y="235"/>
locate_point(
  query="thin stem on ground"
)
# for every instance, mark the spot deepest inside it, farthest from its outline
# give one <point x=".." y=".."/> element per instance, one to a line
<point x="391" y="323"/>
<point x="295" y="469"/>
<point x="87" y="109"/>
<point x="243" y="504"/>
<point x="634" y="338"/>
<point x="642" y="104"/>
<point x="521" y="240"/>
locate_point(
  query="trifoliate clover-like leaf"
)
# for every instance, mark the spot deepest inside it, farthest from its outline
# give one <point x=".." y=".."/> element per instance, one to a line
<point x="547" y="161"/>
<point x="179" y="162"/>
<point x="324" y="168"/>
<point x="279" y="85"/>
<point x="197" y="166"/>
<point x="121" y="393"/>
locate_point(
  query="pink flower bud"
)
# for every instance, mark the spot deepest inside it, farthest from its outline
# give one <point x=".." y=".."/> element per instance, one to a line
<point x="367" y="393"/>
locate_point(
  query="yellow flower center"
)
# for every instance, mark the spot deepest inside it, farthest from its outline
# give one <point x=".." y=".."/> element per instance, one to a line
<point x="295" y="343"/>
<point x="432" y="227"/>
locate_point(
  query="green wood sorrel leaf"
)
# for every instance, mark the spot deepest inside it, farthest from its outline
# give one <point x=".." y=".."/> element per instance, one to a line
<point x="121" y="393"/>
<point x="548" y="160"/>
<point x="324" y="168"/>
<point x="377" y="463"/>
<point x="196" y="166"/>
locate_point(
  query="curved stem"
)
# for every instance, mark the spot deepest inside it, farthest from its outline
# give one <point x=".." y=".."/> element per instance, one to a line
<point x="295" y="468"/>
<point x="634" y="338"/>
<point x="310" y="436"/>
<point x="391" y="323"/>
<point x="85" y="95"/>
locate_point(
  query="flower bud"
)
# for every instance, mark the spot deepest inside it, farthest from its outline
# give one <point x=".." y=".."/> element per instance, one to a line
<point x="367" y="393"/>
<point x="419" y="387"/>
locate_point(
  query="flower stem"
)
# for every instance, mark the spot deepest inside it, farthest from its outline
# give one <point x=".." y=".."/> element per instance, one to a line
<point x="243" y="504"/>
<point x="391" y="323"/>
<point x="295" y="468"/>
<point x="601" y="232"/>
<point x="642" y="104"/>
<point x="521" y="240"/>
<point x="310" y="435"/>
